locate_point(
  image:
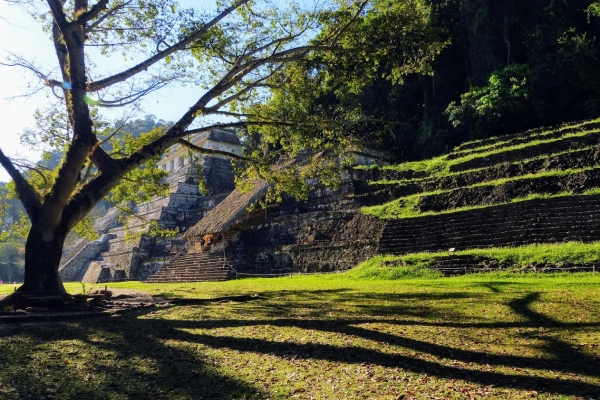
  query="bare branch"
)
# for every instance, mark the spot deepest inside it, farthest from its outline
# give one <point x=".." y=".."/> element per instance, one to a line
<point x="336" y="33"/>
<point x="109" y="44"/>
<point x="275" y="42"/>
<point x="116" y="131"/>
<point x="108" y="14"/>
<point x="133" y="97"/>
<point x="226" y="125"/>
<point x="37" y="170"/>
<point x="182" y="44"/>
<point x="202" y="150"/>
<point x="16" y="60"/>
<point x="21" y="62"/>
<point x="238" y="95"/>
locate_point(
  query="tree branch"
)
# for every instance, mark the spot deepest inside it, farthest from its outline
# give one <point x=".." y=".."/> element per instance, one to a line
<point x="133" y="97"/>
<point x="106" y="82"/>
<point x="93" y="12"/>
<point x="59" y="14"/>
<point x="96" y="189"/>
<point x="30" y="198"/>
<point x="226" y="125"/>
<point x="202" y="150"/>
<point x="21" y="62"/>
<point x="242" y="92"/>
<point x="61" y="53"/>
<point x="102" y="160"/>
<point x="235" y="75"/>
<point x="111" y="12"/>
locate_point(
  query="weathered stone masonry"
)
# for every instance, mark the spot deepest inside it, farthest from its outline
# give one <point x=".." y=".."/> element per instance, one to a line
<point x="561" y="219"/>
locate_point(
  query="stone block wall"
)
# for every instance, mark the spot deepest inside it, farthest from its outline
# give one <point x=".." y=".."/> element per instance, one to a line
<point x="98" y="272"/>
<point x="569" y="218"/>
<point x="107" y="222"/>
<point x="73" y="268"/>
<point x="218" y="175"/>
<point x="307" y="242"/>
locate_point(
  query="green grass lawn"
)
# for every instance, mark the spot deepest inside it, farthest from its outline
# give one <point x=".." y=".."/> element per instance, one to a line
<point x="323" y="337"/>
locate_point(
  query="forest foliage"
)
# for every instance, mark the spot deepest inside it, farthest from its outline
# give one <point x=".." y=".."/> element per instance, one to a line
<point x="421" y="77"/>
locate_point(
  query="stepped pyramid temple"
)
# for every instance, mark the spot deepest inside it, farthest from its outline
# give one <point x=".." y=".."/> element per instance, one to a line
<point x="542" y="186"/>
<point x="218" y="237"/>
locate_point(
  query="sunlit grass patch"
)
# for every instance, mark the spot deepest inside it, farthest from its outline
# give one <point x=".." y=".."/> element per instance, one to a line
<point x="397" y="267"/>
<point x="325" y="337"/>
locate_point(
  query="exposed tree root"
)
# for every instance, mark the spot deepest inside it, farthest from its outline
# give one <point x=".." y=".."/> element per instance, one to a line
<point x="63" y="301"/>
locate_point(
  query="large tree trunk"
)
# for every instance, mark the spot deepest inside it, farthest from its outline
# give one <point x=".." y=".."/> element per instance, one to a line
<point x="42" y="259"/>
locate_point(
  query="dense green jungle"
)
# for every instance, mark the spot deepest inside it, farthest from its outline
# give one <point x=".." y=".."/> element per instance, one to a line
<point x="499" y="67"/>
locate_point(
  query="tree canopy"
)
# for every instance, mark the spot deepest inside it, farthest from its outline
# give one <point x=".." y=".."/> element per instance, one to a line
<point x="230" y="51"/>
<point x="484" y="68"/>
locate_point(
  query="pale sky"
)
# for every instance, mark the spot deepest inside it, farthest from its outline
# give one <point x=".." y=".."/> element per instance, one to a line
<point x="21" y="35"/>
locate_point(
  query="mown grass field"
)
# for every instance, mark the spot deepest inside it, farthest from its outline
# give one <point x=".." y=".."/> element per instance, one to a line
<point x="323" y="337"/>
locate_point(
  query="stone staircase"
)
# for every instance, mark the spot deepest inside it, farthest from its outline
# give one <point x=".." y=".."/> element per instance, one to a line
<point x="193" y="267"/>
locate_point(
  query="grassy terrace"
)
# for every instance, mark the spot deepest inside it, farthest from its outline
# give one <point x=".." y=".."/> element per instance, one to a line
<point x="408" y="206"/>
<point x="537" y="133"/>
<point x="513" y="258"/>
<point x="441" y="166"/>
<point x="579" y="156"/>
<point x="324" y="337"/>
<point x="523" y="175"/>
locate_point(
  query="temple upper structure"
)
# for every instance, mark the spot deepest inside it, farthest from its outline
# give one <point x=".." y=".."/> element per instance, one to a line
<point x="178" y="156"/>
<point x="187" y="166"/>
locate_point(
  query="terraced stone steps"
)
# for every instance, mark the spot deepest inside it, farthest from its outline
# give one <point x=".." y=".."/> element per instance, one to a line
<point x="534" y="150"/>
<point x="504" y="165"/>
<point x="578" y="159"/>
<point x="490" y="194"/>
<point x="193" y="267"/>
<point x="460" y="265"/>
<point x="533" y="134"/>
<point x="576" y="183"/>
<point x="571" y="218"/>
<point x="384" y="174"/>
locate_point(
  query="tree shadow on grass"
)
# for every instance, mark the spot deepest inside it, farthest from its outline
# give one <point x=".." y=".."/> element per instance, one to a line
<point x="320" y="302"/>
<point x="494" y="287"/>
<point x="116" y="346"/>
<point x="122" y="357"/>
<point x="561" y="357"/>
